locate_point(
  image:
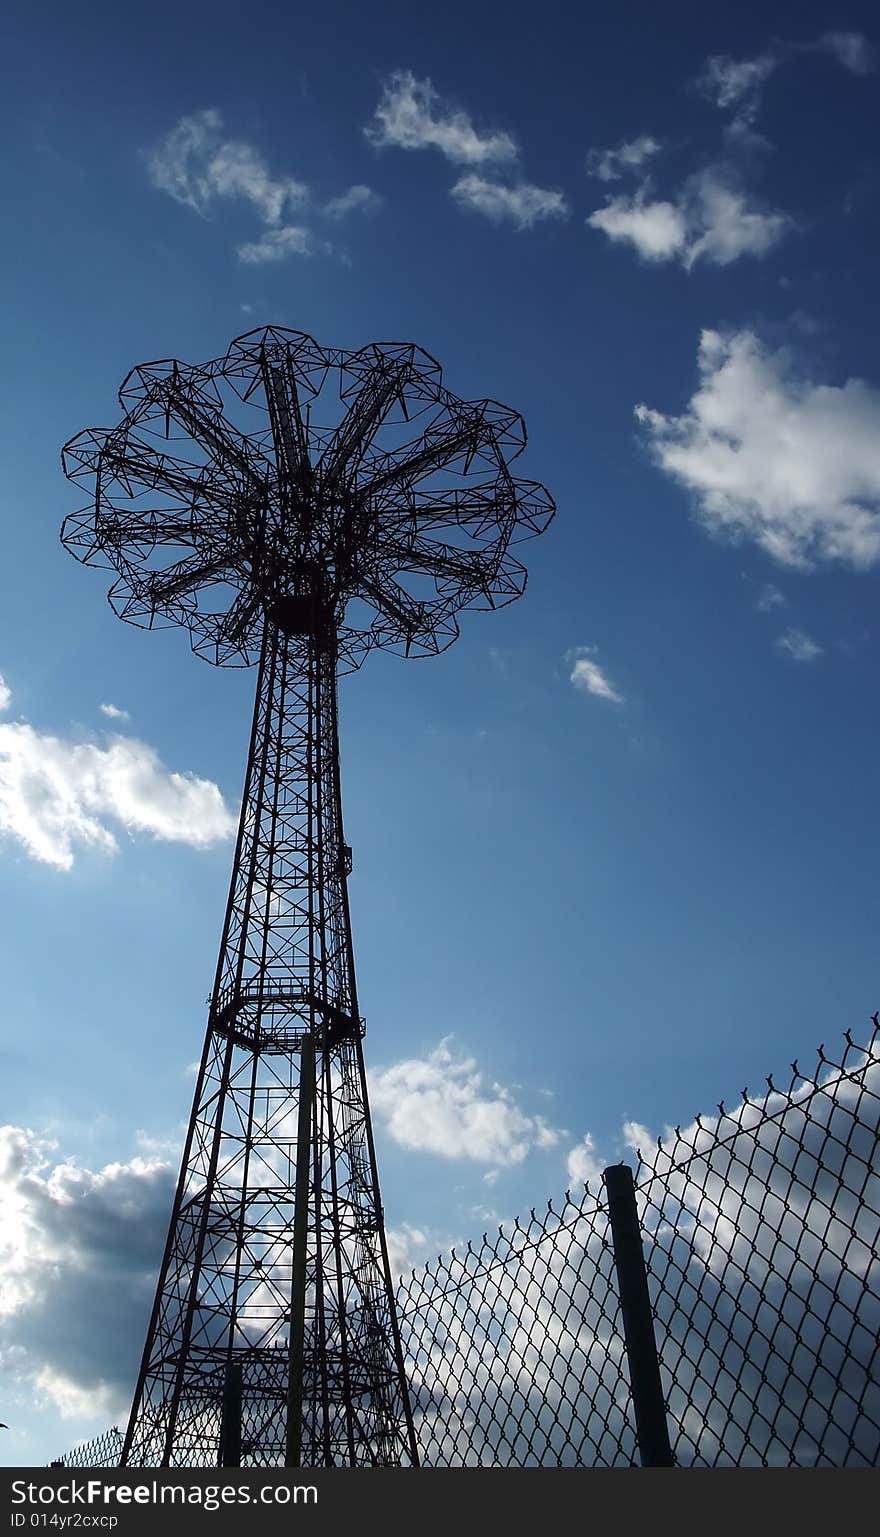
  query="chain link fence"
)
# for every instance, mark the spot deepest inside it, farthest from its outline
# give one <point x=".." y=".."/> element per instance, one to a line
<point x="721" y="1310"/>
<point x="759" y="1230"/>
<point x="103" y="1452"/>
<point x="515" y="1348"/>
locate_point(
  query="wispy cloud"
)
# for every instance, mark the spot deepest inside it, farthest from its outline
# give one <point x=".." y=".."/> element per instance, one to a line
<point x="799" y="646"/>
<point x="586" y="674"/>
<point x="710" y="220"/>
<point x="736" y="85"/>
<point x="114" y="712"/>
<point x="851" y="49"/>
<point x="612" y="164"/>
<point x="5" y="694"/>
<point x="521" y="203"/>
<point x="358" y="199"/>
<point x="57" y="796"/>
<point x="276" y="245"/>
<point x="196" y="166"/>
<point x="769" y="598"/>
<point x="442" y="1104"/>
<point x="773" y="457"/>
<point x="412" y="115"/>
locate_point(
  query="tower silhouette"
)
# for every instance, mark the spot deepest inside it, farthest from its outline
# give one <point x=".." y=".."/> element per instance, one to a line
<point x="291" y="524"/>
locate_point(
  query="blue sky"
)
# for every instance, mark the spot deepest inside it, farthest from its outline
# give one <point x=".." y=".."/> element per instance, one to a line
<point x="614" y="854"/>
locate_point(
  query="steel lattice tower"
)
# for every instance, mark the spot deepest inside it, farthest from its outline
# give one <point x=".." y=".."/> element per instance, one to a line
<point x="291" y="524"/>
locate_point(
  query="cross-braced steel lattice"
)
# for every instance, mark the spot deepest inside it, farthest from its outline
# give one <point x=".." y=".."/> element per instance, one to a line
<point x="285" y="522"/>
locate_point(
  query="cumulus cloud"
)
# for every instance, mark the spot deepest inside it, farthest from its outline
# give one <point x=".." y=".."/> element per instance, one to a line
<point x="612" y="164"/>
<point x="5" y="694"/>
<point x="586" y="674"/>
<point x="196" y="165"/>
<point x="583" y="1163"/>
<point x="521" y="203"/>
<point x="799" y="646"/>
<point x="56" y="796"/>
<point x="710" y="220"/>
<point x="78" y="1256"/>
<point x="114" y="712"/>
<point x="412" y="115"/>
<point x="441" y="1104"/>
<point x="358" y="199"/>
<point x="769" y="455"/>
<point x="410" y="1246"/>
<point x="657" y="229"/>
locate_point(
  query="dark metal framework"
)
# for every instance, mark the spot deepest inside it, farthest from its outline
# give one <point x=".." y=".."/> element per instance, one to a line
<point x="285" y="522"/>
<point x="754" y="1240"/>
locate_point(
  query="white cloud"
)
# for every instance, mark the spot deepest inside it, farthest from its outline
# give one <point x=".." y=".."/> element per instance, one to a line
<point x="5" y="694"/>
<point x="769" y="597"/>
<point x="770" y="456"/>
<point x="96" y="1401"/>
<point x="723" y="226"/>
<point x="799" y="646"/>
<point x="440" y="1104"/>
<point x="408" y="1247"/>
<point x="276" y="245"/>
<point x="851" y="49"/>
<point x="521" y="203"/>
<point x="737" y="83"/>
<point x="612" y="164"/>
<point x="114" y="712"/>
<point x="78" y="1252"/>
<point x="658" y="230"/>
<point x="584" y="1164"/>
<point x="586" y="674"/>
<point x="412" y="115"/>
<point x="56" y="795"/>
<point x="710" y="220"/>
<point x="196" y="165"/>
<point x="358" y="199"/>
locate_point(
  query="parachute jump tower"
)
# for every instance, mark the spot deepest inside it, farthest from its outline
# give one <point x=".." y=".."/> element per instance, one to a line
<point x="292" y="507"/>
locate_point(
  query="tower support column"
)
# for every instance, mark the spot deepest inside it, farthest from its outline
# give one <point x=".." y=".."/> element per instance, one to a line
<point x="276" y="1260"/>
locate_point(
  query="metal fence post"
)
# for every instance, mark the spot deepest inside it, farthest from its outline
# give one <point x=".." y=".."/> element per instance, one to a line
<point x="230" y="1421"/>
<point x="652" y="1432"/>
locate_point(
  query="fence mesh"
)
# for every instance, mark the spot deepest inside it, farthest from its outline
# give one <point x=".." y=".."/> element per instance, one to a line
<point x="760" y="1230"/>
<point x="761" y="1235"/>
<point x="103" y="1452"/>
<point x="514" y="1348"/>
